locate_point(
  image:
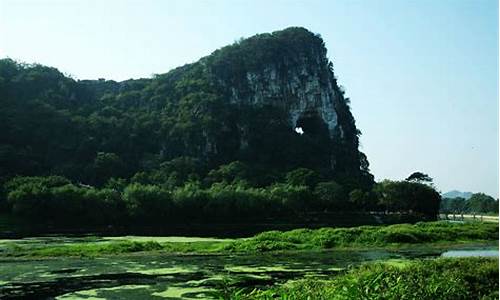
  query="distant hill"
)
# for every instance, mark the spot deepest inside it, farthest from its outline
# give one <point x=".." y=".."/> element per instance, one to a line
<point x="455" y="193"/>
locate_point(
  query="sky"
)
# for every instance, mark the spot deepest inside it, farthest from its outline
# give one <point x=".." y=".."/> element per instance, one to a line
<point x="422" y="75"/>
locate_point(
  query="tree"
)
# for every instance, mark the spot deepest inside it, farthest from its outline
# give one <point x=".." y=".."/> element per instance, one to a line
<point x="147" y="202"/>
<point x="331" y="195"/>
<point x="107" y="165"/>
<point x="189" y="200"/>
<point x="409" y="197"/>
<point x="457" y="205"/>
<point x="482" y="203"/>
<point x="363" y="200"/>
<point x="180" y="170"/>
<point x="234" y="171"/>
<point x="117" y="184"/>
<point x="302" y="177"/>
<point x="419" y="177"/>
<point x="291" y="198"/>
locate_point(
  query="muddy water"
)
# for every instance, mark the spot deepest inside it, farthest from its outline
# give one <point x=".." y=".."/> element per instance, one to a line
<point x="173" y="277"/>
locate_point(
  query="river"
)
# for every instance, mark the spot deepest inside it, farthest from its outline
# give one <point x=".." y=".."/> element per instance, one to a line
<point x="164" y="276"/>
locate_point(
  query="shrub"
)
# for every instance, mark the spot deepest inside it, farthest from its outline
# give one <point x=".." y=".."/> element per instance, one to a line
<point x="439" y="279"/>
<point x="189" y="200"/>
<point x="147" y="202"/>
<point x="331" y="195"/>
<point x="291" y="198"/>
<point x="324" y="238"/>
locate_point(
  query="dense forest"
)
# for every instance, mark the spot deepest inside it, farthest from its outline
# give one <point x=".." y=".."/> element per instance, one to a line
<point x="212" y="141"/>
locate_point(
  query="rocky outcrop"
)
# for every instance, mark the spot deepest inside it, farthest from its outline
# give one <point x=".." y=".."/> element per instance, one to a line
<point x="286" y="72"/>
<point x="301" y="81"/>
<point x="300" y="93"/>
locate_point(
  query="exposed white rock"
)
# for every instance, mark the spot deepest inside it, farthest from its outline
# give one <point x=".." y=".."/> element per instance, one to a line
<point x="300" y="90"/>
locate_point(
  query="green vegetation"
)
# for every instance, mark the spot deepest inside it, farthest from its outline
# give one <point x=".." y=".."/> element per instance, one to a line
<point x="84" y="151"/>
<point x="227" y="199"/>
<point x="90" y="249"/>
<point x="327" y="238"/>
<point x="133" y="267"/>
<point x="92" y="130"/>
<point x="300" y="239"/>
<point x="478" y="203"/>
<point x="176" y="147"/>
<point x="419" y="177"/>
<point x="87" y="249"/>
<point x="471" y="278"/>
<point x="113" y="277"/>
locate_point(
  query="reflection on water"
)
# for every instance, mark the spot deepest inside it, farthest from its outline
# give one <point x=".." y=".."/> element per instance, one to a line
<point x="470" y="253"/>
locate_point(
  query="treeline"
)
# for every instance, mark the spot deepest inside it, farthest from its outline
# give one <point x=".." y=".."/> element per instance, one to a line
<point x="225" y="195"/>
<point x="478" y="203"/>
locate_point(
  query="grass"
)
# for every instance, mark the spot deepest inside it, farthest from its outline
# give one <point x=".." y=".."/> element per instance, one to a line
<point x="471" y="278"/>
<point x="111" y="248"/>
<point x="299" y="239"/>
<point x="327" y="238"/>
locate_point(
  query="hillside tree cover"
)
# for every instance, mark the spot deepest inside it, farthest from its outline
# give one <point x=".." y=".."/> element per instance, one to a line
<point x="169" y="148"/>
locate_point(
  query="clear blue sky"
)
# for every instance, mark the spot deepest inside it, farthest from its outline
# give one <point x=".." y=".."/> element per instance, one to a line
<point x="422" y="75"/>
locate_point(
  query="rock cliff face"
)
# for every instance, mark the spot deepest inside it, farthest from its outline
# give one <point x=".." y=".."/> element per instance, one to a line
<point x="299" y="80"/>
<point x="288" y="71"/>
<point x="300" y="93"/>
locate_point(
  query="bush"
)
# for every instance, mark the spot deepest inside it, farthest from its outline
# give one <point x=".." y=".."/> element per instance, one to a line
<point x="290" y="198"/>
<point x="404" y="196"/>
<point x="147" y="202"/>
<point x="302" y="177"/>
<point x="232" y="172"/>
<point x="332" y="196"/>
<point x="55" y="199"/>
<point x="46" y="181"/>
<point x="325" y="238"/>
<point x="236" y="202"/>
<point x="29" y="200"/>
<point x="68" y="201"/>
<point x="189" y="200"/>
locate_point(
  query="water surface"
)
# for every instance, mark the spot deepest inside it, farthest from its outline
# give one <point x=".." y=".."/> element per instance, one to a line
<point x="470" y="253"/>
<point x="168" y="276"/>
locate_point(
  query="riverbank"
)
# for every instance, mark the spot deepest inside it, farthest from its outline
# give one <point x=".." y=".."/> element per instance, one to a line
<point x="392" y="236"/>
<point x="12" y="227"/>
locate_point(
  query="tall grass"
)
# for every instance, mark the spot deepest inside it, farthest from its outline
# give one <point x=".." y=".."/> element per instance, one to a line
<point x="90" y="249"/>
<point x="326" y="238"/>
<point x="471" y="278"/>
<point x="299" y="239"/>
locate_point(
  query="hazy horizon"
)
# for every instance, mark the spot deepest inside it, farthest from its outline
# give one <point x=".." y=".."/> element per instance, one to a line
<point x="422" y="76"/>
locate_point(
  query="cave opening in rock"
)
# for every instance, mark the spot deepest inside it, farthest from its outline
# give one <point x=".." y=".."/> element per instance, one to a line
<point x="311" y="123"/>
<point x="312" y="143"/>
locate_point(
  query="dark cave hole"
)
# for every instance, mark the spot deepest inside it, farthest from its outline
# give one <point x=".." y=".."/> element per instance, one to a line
<point x="310" y="123"/>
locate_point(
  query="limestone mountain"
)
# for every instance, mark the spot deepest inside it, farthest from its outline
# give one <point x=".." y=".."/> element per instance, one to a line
<point x="270" y="101"/>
